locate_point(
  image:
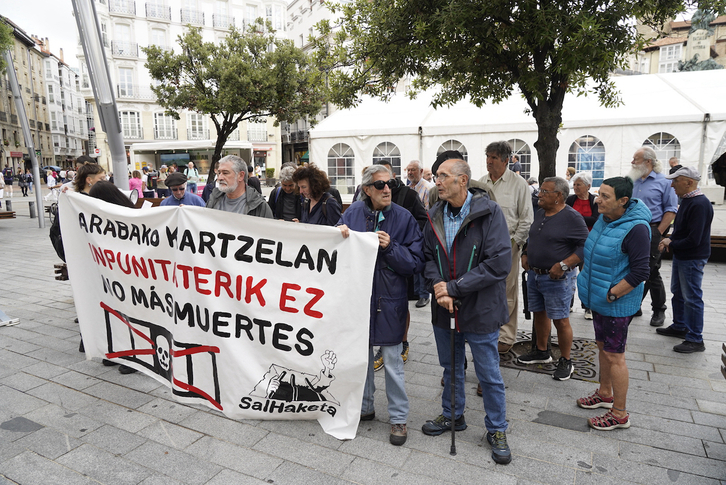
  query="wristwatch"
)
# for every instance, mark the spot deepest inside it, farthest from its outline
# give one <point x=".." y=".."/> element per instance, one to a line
<point x="611" y="297"/>
<point x="564" y="266"/>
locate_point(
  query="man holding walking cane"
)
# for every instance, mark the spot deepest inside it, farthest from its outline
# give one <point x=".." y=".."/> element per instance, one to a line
<point x="468" y="257"/>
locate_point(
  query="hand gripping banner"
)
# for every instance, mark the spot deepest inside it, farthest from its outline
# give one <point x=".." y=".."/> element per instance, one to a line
<point x="257" y="318"/>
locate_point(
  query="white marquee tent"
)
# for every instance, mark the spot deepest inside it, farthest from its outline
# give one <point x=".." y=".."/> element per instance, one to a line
<point x="682" y="114"/>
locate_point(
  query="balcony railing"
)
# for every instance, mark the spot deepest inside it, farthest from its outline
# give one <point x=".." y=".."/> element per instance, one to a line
<point x="3" y="116"/>
<point x="123" y="7"/>
<point x="197" y="134"/>
<point x="158" y="11"/>
<point x="256" y="135"/>
<point x="124" y="49"/>
<point x="133" y="91"/>
<point x="165" y="134"/>
<point x="192" y="16"/>
<point x="221" y="21"/>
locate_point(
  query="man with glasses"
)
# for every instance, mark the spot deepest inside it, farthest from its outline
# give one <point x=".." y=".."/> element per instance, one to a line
<point x="177" y="183"/>
<point x="232" y="194"/>
<point x="400" y="255"/>
<point x="468" y="258"/>
<point x="514" y="197"/>
<point x="555" y="246"/>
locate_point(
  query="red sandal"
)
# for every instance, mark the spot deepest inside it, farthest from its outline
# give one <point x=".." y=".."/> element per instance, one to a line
<point x="595" y="401"/>
<point x="609" y="421"/>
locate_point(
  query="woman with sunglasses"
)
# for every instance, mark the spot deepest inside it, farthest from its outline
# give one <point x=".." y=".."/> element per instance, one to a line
<point x="318" y="206"/>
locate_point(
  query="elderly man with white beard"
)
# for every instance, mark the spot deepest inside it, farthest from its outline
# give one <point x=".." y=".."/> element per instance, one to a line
<point x="232" y="194"/>
<point x="651" y="186"/>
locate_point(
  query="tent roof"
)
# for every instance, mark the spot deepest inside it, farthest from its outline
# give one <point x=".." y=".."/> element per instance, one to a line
<point x="654" y="98"/>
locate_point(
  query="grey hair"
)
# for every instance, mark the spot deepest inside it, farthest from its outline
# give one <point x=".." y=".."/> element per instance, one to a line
<point x="462" y="168"/>
<point x="418" y="164"/>
<point x="368" y="177"/>
<point x="501" y="148"/>
<point x="586" y="178"/>
<point x="561" y="186"/>
<point x="649" y="154"/>
<point x="286" y="174"/>
<point x="238" y="165"/>
<point x="531" y="181"/>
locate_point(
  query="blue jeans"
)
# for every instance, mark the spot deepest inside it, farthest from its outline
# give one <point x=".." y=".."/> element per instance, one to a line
<point x="486" y="363"/>
<point x="686" y="278"/>
<point x="419" y="286"/>
<point x="192" y="188"/>
<point x="395" y="385"/>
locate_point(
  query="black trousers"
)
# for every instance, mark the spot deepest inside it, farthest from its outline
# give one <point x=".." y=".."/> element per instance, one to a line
<point x="654" y="284"/>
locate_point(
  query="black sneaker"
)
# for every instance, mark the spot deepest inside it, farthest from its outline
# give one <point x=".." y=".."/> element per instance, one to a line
<point x="500" y="449"/>
<point x="657" y="319"/>
<point x="689" y="347"/>
<point x="671" y="331"/>
<point x="564" y="370"/>
<point x="536" y="357"/>
<point x="639" y="313"/>
<point x="437" y="426"/>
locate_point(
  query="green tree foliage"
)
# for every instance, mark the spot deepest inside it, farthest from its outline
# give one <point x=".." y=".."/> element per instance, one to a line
<point x="481" y="50"/>
<point x="247" y="76"/>
<point x="6" y="42"/>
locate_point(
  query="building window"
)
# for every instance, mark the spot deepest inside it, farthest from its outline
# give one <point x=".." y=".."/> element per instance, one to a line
<point x="669" y="57"/>
<point x="250" y="14"/>
<point x="587" y="154"/>
<point x="51" y="95"/>
<point x="197" y="127"/>
<point x="665" y="146"/>
<point x="522" y="150"/>
<point x="388" y="151"/>
<point x="130" y="124"/>
<point x="340" y="168"/>
<point x="164" y="127"/>
<point x="257" y="130"/>
<point x="158" y="38"/>
<point x="125" y="82"/>
<point x="453" y="145"/>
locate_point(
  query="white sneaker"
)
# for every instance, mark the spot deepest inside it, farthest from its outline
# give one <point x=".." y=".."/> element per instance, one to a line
<point x="588" y="314"/>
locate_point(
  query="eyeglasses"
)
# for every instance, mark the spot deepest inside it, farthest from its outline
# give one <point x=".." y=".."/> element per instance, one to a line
<point x="177" y="189"/>
<point x="379" y="184"/>
<point x="443" y="176"/>
<point x="545" y="192"/>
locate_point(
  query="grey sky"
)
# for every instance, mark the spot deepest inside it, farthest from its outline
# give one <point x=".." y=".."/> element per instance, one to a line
<point x="46" y="18"/>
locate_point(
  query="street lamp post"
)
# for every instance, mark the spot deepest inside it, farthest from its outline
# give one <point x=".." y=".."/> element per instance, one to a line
<point x="90" y="34"/>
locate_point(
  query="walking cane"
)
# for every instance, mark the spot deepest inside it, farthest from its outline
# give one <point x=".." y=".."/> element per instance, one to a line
<point x="452" y="325"/>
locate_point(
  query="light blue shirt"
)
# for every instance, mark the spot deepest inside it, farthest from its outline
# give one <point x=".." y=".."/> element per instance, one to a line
<point x="452" y="222"/>
<point x="657" y="193"/>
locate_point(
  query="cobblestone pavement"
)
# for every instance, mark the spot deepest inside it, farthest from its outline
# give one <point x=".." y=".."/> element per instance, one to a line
<point x="65" y="420"/>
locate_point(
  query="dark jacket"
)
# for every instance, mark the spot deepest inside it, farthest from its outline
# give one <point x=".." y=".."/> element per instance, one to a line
<point x="403" y="257"/>
<point x="325" y="213"/>
<point x="589" y="221"/>
<point x="254" y="182"/>
<point x="276" y="204"/>
<point x="477" y="268"/>
<point x="408" y="198"/>
<point x="256" y="205"/>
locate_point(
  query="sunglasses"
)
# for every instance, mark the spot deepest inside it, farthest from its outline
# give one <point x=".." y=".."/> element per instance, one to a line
<point x="177" y="189"/>
<point x="379" y="184"/>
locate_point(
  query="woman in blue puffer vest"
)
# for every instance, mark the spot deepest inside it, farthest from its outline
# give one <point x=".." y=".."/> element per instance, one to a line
<point x="611" y="284"/>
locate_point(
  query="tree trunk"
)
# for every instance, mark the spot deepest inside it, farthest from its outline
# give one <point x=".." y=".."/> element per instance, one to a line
<point x="548" y="124"/>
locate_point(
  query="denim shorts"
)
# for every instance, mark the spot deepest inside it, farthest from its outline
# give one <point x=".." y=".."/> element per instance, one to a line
<point x="552" y="296"/>
<point x="611" y="331"/>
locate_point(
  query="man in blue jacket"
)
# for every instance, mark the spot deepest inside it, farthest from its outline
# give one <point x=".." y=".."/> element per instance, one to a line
<point x="468" y="257"/>
<point x="400" y="255"/>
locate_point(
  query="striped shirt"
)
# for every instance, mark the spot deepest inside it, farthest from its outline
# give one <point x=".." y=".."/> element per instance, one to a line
<point x="452" y="222"/>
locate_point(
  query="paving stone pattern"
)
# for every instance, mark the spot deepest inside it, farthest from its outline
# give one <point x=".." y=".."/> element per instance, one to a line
<point x="65" y="420"/>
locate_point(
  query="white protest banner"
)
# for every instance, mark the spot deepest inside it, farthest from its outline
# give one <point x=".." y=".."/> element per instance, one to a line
<point x="258" y="318"/>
